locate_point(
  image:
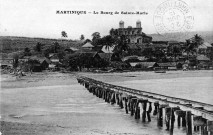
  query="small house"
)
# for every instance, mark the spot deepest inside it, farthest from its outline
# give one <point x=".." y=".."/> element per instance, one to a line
<point x="203" y="62"/>
<point x="5" y="64"/>
<point x="37" y="67"/>
<point x="205" y="48"/>
<point x="54" y="58"/>
<point x="38" y="63"/>
<point x="71" y="50"/>
<point x="44" y="62"/>
<point x="88" y="46"/>
<point x="168" y="66"/>
<point x="90" y="59"/>
<point x="202" y="58"/>
<point x="144" y="65"/>
<point x="134" y="58"/>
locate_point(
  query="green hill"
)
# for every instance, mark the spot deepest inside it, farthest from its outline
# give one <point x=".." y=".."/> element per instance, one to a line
<point x="11" y="44"/>
<point x="206" y="35"/>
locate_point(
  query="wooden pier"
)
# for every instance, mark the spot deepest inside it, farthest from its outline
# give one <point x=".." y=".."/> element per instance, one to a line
<point x="192" y="115"/>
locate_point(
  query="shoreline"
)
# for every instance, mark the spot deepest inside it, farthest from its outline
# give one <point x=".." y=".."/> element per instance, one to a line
<point x="45" y="78"/>
<point x="50" y="103"/>
<point x="120" y="77"/>
<point x="36" y="79"/>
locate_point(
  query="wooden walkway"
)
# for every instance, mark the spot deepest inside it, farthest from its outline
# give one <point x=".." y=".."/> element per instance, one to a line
<point x="190" y="114"/>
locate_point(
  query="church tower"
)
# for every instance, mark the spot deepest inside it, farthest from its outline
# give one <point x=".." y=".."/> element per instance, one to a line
<point x="138" y="24"/>
<point x="121" y="24"/>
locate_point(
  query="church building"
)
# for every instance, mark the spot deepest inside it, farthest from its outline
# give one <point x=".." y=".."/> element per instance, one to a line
<point x="133" y="35"/>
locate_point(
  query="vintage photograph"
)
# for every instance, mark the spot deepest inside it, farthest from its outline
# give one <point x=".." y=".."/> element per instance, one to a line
<point x="106" y="67"/>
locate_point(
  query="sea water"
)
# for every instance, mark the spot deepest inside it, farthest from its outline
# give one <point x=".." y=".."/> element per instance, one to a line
<point x="73" y="108"/>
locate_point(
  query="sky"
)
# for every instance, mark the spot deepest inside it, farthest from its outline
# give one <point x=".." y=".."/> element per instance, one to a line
<point x="38" y="18"/>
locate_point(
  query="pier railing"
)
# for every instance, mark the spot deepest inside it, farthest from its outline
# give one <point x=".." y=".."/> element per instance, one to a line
<point x="192" y="113"/>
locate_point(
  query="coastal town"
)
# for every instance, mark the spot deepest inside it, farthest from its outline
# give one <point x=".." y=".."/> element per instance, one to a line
<point x="109" y="67"/>
<point x="125" y="49"/>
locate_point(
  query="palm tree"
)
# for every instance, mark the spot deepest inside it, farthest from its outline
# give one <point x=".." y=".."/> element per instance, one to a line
<point x="111" y="32"/>
<point x="192" y="45"/>
<point x="108" y="41"/>
<point x="64" y="34"/>
<point x="82" y="37"/>
<point x="38" y="47"/>
<point x="56" y="47"/>
<point x="15" y="60"/>
<point x="96" y="35"/>
<point x="198" y="40"/>
<point x="121" y="46"/>
<point x="123" y="43"/>
<point x="95" y="38"/>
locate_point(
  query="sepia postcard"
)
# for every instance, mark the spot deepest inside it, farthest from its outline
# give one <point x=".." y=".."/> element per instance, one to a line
<point x="106" y="67"/>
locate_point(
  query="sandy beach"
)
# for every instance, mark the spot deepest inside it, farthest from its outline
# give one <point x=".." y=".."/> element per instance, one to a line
<point x="53" y="103"/>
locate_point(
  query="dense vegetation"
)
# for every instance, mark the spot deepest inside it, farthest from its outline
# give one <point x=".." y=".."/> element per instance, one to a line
<point x="39" y="47"/>
<point x="11" y="44"/>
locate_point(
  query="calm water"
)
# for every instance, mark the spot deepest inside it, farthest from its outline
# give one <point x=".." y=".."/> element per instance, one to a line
<point x="77" y="110"/>
<point x="193" y="88"/>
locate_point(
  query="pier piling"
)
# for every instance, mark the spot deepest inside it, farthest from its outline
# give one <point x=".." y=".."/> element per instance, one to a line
<point x="160" y="117"/>
<point x="210" y="127"/>
<point x="188" y="123"/>
<point x="167" y="117"/>
<point x="156" y="104"/>
<point x="183" y="121"/>
<point x="138" y="100"/>
<point x="126" y="106"/>
<point x="149" y="111"/>
<point x="137" y="111"/>
<point x="144" y="111"/>
<point x="121" y="101"/>
<point x="172" y="119"/>
<point x="178" y="120"/>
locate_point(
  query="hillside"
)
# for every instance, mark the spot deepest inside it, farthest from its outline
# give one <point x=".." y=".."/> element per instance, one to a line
<point x="206" y="35"/>
<point x="10" y="44"/>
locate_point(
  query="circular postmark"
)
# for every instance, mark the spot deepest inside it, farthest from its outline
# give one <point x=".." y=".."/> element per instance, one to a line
<point x="173" y="16"/>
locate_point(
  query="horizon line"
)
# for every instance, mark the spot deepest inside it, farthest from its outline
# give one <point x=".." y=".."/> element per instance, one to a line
<point x="101" y="36"/>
